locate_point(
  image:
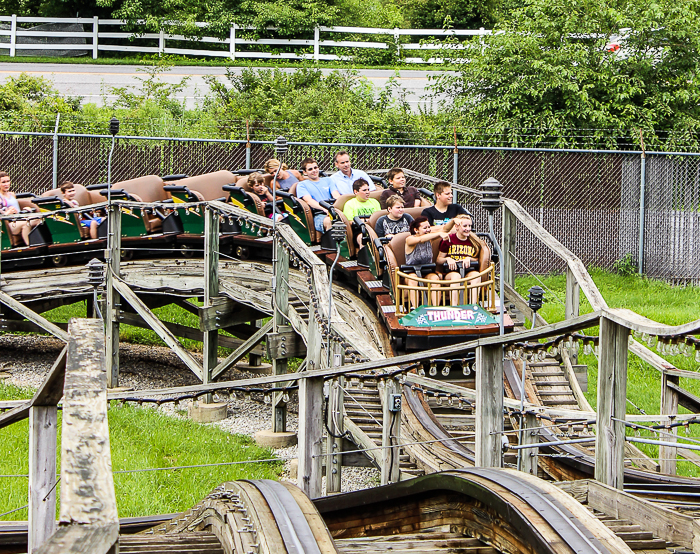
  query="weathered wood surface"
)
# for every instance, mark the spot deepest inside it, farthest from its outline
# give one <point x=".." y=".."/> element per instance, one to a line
<point x="612" y="405"/>
<point x="82" y="539"/>
<point x="48" y="394"/>
<point x="87" y="486"/>
<point x="489" y="406"/>
<point x="165" y="335"/>
<point x="669" y="406"/>
<point x="112" y="299"/>
<point x="243" y="350"/>
<point x="43" y="422"/>
<point x="664" y="523"/>
<point x="32" y="316"/>
<point x="391" y="435"/>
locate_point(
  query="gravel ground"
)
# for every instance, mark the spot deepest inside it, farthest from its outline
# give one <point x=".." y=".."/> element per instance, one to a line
<point x="25" y="360"/>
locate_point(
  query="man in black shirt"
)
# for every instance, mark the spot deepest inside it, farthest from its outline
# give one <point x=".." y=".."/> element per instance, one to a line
<point x="441" y="215"/>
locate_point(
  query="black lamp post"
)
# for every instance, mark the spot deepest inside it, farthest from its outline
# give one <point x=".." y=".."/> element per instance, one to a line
<point x="113" y="130"/>
<point x="491" y="201"/>
<point x="280" y="150"/>
<point x="535" y="301"/>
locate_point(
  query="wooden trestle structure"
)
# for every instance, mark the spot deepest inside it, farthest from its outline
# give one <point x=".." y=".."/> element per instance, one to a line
<point x="504" y="510"/>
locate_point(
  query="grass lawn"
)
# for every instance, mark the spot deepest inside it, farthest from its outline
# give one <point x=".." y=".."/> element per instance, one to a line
<point x="656" y="300"/>
<point x="143" y="438"/>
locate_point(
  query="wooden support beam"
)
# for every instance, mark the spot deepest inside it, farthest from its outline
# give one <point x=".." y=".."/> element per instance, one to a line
<point x="223" y="312"/>
<point x="32" y="316"/>
<point x="210" y="345"/>
<point x="43" y="423"/>
<point x="573" y="302"/>
<point x="157" y="325"/>
<point x="336" y="424"/>
<point x="284" y="344"/>
<point x="310" y="420"/>
<point x="489" y="406"/>
<point x="669" y="406"/>
<point x="391" y="429"/>
<point x="282" y="339"/>
<point x="612" y="404"/>
<point x="83" y="539"/>
<point x="48" y="394"/>
<point x="528" y="461"/>
<point x="242" y="350"/>
<point x="509" y="227"/>
<point x="111" y="315"/>
<point x="87" y="485"/>
<point x="182" y="331"/>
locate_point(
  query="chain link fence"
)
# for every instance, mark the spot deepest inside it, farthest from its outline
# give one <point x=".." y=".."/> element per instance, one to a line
<point x="588" y="200"/>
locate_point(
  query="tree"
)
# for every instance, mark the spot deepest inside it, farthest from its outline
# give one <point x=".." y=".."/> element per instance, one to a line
<point x="550" y="67"/>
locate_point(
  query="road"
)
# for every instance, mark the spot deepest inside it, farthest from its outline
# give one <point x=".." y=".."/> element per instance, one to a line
<point x="94" y="83"/>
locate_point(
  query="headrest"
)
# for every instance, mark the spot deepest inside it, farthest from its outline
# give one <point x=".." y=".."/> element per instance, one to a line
<point x="209" y="185"/>
<point x="149" y="188"/>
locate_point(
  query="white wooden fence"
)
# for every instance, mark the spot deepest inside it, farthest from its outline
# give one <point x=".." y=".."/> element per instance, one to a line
<point x="98" y="36"/>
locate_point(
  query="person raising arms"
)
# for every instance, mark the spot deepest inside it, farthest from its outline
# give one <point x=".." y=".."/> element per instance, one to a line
<point x="419" y="251"/>
<point x="462" y="246"/>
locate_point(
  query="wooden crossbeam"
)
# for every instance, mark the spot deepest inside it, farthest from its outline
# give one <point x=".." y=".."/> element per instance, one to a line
<point x="33" y="316"/>
<point x="157" y="325"/>
<point x="242" y="350"/>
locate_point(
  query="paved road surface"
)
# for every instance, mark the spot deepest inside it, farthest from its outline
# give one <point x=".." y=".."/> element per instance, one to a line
<point x="94" y="82"/>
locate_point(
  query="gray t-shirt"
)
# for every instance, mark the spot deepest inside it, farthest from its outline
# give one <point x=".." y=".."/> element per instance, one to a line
<point x="387" y="226"/>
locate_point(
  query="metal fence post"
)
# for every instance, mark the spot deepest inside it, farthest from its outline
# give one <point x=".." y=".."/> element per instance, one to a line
<point x="247" y="144"/>
<point x="13" y="36"/>
<point x="55" y="152"/>
<point x="642" y="202"/>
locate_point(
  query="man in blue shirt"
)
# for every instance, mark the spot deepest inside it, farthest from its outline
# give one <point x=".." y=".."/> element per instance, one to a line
<point x="313" y="190"/>
<point x="343" y="179"/>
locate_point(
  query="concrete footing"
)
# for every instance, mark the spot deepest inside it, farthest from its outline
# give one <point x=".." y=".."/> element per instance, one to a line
<point x="207" y="413"/>
<point x="260" y="369"/>
<point x="270" y="439"/>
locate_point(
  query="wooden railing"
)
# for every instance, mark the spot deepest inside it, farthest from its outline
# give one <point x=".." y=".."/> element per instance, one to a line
<point x="429" y="292"/>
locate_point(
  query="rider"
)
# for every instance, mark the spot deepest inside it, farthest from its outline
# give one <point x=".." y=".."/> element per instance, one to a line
<point x="461" y="246"/>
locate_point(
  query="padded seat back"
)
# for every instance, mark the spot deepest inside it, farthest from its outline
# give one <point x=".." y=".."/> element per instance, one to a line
<point x="209" y="185"/>
<point x="84" y="198"/>
<point x="148" y="188"/>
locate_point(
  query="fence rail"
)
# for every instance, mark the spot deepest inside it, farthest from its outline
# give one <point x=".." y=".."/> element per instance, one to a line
<point x="86" y="36"/>
<point x="588" y="200"/>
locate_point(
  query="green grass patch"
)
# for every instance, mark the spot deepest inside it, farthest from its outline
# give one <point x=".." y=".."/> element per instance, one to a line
<point x="144" y="438"/>
<point x="657" y="300"/>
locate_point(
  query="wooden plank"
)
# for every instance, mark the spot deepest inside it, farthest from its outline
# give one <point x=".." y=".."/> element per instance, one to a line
<point x="112" y="274"/>
<point x="336" y="415"/>
<point x="664" y="523"/>
<point x="669" y="406"/>
<point x="583" y="404"/>
<point x="242" y="350"/>
<point x="391" y="429"/>
<point x="589" y="288"/>
<point x="277" y="341"/>
<point x="82" y="539"/>
<point x="612" y="405"/>
<point x="489" y="405"/>
<point x="87" y="486"/>
<point x="210" y="344"/>
<point x="224" y="312"/>
<point x="185" y="332"/>
<point x="285" y="343"/>
<point x="509" y="226"/>
<point x="157" y="325"/>
<point x="43" y="428"/>
<point x="528" y="456"/>
<point x="48" y="393"/>
<point x="32" y="316"/>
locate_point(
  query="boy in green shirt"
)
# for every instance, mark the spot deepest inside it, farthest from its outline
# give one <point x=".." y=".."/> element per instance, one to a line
<point x="362" y="205"/>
